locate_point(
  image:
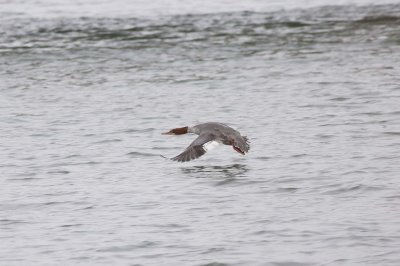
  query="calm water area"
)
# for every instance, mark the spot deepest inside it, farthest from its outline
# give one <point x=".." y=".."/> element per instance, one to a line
<point x="87" y="88"/>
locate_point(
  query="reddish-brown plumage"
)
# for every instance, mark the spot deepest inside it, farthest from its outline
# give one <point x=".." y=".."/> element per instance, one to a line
<point x="177" y="131"/>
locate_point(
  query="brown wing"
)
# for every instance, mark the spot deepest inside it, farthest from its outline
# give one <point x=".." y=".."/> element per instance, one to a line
<point x="195" y="149"/>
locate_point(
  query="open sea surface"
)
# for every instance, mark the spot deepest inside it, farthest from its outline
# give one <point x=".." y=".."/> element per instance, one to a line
<point x="87" y="88"/>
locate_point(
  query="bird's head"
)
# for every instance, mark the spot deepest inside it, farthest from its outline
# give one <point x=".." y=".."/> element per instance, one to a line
<point x="177" y="131"/>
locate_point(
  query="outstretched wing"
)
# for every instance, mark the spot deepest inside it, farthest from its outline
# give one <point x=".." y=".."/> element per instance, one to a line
<point x="195" y="149"/>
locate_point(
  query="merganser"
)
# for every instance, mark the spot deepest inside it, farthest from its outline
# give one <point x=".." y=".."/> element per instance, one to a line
<point x="208" y="133"/>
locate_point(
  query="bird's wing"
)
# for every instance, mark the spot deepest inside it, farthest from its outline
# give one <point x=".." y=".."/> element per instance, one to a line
<point x="195" y="149"/>
<point x="241" y="144"/>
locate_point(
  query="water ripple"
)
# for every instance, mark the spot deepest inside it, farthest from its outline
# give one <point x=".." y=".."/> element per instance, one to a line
<point x="85" y="98"/>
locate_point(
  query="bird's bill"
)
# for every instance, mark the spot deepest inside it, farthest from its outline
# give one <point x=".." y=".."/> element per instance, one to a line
<point x="167" y="133"/>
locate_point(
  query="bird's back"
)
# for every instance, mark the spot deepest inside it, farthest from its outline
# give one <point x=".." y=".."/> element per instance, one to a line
<point x="220" y="131"/>
<point x="214" y="128"/>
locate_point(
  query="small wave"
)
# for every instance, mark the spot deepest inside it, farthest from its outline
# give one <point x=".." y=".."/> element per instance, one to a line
<point x="141" y="154"/>
<point x="63" y="172"/>
<point x="299" y="155"/>
<point x="216" y="168"/>
<point x="383" y="19"/>
<point x="27" y="114"/>
<point x="371" y="113"/>
<point x="11" y="221"/>
<point x="107" y="141"/>
<point x="77" y="163"/>
<point x="392" y="133"/>
<point x="215" y="264"/>
<point x="85" y="208"/>
<point x="339" y="99"/>
<point x="324" y="136"/>
<point x="71" y="225"/>
<point x="263" y="158"/>
<point x="165" y="148"/>
<point x="290" y="263"/>
<point x="138" y="130"/>
<point x="72" y="156"/>
<point x="226" y="174"/>
<point x="56" y="202"/>
<point x="212" y="250"/>
<point x="287" y="189"/>
<point x="354" y="188"/>
<point x="288" y="24"/>
<point x="307" y="26"/>
<point x="128" y="248"/>
<point x="24" y="179"/>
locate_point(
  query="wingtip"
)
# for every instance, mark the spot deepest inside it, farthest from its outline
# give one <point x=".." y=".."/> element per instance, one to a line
<point x="177" y="159"/>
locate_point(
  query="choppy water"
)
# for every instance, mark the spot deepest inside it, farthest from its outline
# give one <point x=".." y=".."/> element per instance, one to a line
<point x="84" y="99"/>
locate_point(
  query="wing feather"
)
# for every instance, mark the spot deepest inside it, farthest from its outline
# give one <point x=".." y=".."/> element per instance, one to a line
<point x="195" y="149"/>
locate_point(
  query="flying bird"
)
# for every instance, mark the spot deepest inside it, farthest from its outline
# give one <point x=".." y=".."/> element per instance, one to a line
<point x="209" y="134"/>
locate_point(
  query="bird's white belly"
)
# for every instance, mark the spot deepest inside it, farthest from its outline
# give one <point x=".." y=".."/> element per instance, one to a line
<point x="210" y="145"/>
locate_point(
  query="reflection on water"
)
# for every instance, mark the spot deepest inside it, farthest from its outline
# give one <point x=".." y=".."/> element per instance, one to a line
<point x="227" y="172"/>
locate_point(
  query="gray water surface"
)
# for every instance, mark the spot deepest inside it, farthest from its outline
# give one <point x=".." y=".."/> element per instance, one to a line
<point x="84" y="100"/>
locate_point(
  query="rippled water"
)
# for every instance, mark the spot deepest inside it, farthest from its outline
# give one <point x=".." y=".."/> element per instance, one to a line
<point x="84" y="100"/>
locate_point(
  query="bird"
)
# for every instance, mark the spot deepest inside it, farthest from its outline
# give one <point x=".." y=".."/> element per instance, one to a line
<point x="209" y="133"/>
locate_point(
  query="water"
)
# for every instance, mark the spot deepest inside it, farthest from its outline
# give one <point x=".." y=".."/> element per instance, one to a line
<point x="87" y="90"/>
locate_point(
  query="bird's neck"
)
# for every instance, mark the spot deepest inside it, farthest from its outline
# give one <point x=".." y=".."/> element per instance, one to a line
<point x="180" y="130"/>
<point x="193" y="130"/>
